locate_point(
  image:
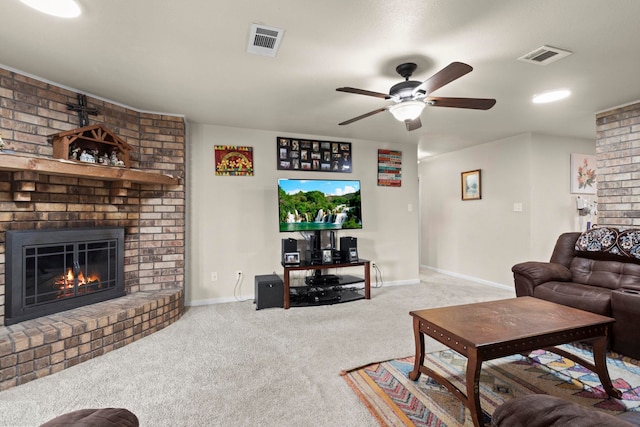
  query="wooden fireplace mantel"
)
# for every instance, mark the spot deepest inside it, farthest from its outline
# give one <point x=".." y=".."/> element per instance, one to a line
<point x="17" y="162"/>
<point x="26" y="168"/>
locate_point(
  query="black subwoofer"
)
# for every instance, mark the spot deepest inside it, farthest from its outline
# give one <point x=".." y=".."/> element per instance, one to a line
<point x="269" y="291"/>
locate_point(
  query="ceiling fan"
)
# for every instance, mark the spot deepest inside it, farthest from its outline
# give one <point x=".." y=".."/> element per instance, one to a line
<point x="412" y="96"/>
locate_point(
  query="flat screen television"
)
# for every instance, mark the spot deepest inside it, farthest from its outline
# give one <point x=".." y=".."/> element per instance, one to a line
<point x="319" y="204"/>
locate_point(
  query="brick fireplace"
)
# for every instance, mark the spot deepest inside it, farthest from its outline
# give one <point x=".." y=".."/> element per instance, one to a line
<point x="151" y="213"/>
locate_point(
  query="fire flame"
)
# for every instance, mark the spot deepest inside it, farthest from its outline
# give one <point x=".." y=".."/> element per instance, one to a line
<point x="68" y="278"/>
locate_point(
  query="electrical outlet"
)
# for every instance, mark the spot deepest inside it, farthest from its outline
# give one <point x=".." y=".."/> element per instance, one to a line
<point x="214" y="276"/>
<point x="238" y="273"/>
<point x="373" y="265"/>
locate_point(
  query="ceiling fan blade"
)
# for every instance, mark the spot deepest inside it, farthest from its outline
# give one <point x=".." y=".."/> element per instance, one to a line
<point x="472" y="103"/>
<point x="370" y="113"/>
<point x="413" y="124"/>
<point x="363" y="92"/>
<point x="451" y="72"/>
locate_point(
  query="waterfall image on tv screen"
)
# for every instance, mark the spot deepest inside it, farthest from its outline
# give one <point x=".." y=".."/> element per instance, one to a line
<point x="319" y="204"/>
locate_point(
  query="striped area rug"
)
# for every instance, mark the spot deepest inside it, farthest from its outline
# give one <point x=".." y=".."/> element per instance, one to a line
<point x="395" y="400"/>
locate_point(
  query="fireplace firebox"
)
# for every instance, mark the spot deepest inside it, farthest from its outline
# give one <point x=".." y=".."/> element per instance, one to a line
<point x="53" y="270"/>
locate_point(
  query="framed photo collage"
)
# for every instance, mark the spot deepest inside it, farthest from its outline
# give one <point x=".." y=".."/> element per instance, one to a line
<point x="311" y="155"/>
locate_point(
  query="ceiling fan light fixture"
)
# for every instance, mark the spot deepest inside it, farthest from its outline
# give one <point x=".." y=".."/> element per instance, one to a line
<point x="407" y="110"/>
<point x="59" y="8"/>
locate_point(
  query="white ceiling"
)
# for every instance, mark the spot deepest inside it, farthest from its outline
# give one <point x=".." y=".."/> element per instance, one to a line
<point x="189" y="57"/>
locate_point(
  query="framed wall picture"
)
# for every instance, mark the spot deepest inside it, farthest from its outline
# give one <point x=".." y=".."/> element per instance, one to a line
<point x="233" y="161"/>
<point x="310" y="155"/>
<point x="583" y="174"/>
<point x="389" y="168"/>
<point x="471" y="185"/>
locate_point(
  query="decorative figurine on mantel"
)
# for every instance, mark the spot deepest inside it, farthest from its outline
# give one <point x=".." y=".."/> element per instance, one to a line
<point x="114" y="161"/>
<point x="87" y="157"/>
<point x="95" y="156"/>
<point x="104" y="159"/>
<point x="2" y="144"/>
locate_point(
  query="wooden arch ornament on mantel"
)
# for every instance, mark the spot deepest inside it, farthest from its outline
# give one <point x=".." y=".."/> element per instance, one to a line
<point x="91" y="144"/>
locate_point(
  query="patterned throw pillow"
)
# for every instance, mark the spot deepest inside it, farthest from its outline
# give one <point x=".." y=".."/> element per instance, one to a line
<point x="610" y="241"/>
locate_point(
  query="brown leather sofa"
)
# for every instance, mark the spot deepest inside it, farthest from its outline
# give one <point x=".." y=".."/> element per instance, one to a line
<point x="598" y="271"/>
<point x="102" y="417"/>
<point x="541" y="410"/>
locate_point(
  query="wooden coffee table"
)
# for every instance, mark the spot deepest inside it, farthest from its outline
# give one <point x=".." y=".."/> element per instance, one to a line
<point x="489" y="330"/>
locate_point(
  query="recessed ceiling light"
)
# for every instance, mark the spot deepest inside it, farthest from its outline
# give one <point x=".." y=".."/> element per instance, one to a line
<point x="59" y="8"/>
<point x="551" y="96"/>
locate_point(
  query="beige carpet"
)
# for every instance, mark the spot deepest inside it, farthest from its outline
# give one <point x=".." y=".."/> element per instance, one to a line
<point x="230" y="365"/>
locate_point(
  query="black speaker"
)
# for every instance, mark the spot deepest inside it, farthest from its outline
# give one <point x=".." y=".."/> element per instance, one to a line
<point x="349" y="249"/>
<point x="269" y="291"/>
<point x="314" y="253"/>
<point x="289" y="246"/>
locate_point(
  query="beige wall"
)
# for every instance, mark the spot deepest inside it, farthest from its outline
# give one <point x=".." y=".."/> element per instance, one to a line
<point x="482" y="239"/>
<point x="233" y="221"/>
<point x="553" y="207"/>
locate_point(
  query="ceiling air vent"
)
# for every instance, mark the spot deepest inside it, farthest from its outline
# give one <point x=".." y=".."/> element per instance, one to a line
<point x="264" y="40"/>
<point x="544" y="55"/>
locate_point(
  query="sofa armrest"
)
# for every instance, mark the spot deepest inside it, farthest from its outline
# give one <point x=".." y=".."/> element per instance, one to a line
<point x="528" y="275"/>
<point x="541" y="410"/>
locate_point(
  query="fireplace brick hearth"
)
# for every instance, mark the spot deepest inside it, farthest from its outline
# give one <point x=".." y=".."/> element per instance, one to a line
<point x="151" y="212"/>
<point x="43" y="346"/>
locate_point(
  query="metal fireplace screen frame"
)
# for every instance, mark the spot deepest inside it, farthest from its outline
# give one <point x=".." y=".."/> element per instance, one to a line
<point x="54" y="270"/>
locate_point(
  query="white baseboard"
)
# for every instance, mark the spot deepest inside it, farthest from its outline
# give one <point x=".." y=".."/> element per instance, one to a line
<point x="470" y="278"/>
<point x="397" y="283"/>
<point x="220" y="300"/>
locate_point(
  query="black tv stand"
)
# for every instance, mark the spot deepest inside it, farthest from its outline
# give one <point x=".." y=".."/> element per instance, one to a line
<point x="322" y="279"/>
<point x="303" y="296"/>
<point x="329" y="293"/>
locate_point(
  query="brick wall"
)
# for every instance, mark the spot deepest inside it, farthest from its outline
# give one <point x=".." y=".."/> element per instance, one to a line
<point x="618" y="155"/>
<point x="153" y="215"/>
